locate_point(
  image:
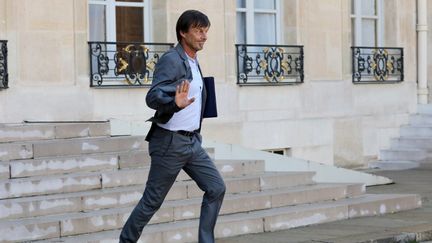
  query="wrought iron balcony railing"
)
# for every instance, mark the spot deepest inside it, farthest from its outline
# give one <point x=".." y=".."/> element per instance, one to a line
<point x="115" y="64"/>
<point x="269" y="64"/>
<point x="3" y="65"/>
<point x="377" y="64"/>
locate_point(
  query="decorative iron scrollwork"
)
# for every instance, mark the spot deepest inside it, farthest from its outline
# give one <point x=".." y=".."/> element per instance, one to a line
<point x="377" y="65"/>
<point x="4" y="76"/>
<point x="269" y="64"/>
<point x="124" y="64"/>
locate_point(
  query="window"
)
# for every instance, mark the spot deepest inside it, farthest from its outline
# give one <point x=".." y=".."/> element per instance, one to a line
<point x="282" y="151"/>
<point x="366" y="22"/>
<point x="258" y="21"/>
<point x="117" y="29"/>
<point x="119" y="20"/>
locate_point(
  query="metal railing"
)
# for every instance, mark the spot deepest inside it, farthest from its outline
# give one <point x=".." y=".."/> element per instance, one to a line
<point x="269" y="64"/>
<point x="116" y="64"/>
<point x="4" y="75"/>
<point x="377" y="64"/>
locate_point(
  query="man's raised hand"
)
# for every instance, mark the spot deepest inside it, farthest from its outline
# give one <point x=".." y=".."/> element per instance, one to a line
<point x="181" y="96"/>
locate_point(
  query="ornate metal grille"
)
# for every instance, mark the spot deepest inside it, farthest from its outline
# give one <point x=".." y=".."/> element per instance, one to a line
<point x="269" y="64"/>
<point x="3" y="65"/>
<point x="114" y="64"/>
<point x="377" y="65"/>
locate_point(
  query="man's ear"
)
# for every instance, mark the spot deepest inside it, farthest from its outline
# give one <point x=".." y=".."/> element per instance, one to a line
<point x="182" y="34"/>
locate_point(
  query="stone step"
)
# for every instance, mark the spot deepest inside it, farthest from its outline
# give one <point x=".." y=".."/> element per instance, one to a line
<point x="412" y="142"/>
<point x="11" y="151"/>
<point x="259" y="182"/>
<point x="403" y="154"/>
<point x="134" y="159"/>
<point x="421" y="119"/>
<point x="109" y="161"/>
<point x="394" y="165"/>
<point x="88" y="146"/>
<point x="70" y="147"/>
<point x="74" y="147"/>
<point x="4" y="170"/>
<point x="63" y="165"/>
<point x="263" y="220"/>
<point x="245" y="202"/>
<point x="416" y="131"/>
<point x="401" y="165"/>
<point x="43" y="185"/>
<point x="44" y="131"/>
<point x="99" y="161"/>
<point x="89" y="222"/>
<point x="82" y="163"/>
<point x="55" y="184"/>
<point x="26" y="207"/>
<point x="22" y="132"/>
<point x="424" y="109"/>
<point x="129" y="196"/>
<point x="125" y="196"/>
<point x="360" y="206"/>
<point x="255" y="176"/>
<point x="232" y="168"/>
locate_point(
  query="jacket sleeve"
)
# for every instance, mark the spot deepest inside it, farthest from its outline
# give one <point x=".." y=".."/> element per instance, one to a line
<point x="161" y="95"/>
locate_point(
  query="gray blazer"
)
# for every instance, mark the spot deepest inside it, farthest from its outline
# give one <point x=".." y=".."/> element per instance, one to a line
<point x="172" y="68"/>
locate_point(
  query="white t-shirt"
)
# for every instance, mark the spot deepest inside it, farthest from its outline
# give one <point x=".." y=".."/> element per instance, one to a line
<point x="188" y="119"/>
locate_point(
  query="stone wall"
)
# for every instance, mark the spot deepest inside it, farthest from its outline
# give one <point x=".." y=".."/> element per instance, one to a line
<point x="326" y="119"/>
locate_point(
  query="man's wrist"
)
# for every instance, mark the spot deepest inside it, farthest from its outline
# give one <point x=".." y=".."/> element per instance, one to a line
<point x="176" y="107"/>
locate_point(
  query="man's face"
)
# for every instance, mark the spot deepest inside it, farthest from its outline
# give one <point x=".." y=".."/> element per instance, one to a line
<point x="195" y="37"/>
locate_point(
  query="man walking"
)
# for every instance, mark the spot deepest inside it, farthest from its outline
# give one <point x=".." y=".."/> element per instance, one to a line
<point x="178" y="96"/>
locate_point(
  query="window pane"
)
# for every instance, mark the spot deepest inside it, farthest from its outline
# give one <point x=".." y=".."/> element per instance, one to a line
<point x="130" y="24"/>
<point x="368" y="7"/>
<point x="352" y="6"/>
<point x="241" y="28"/>
<point x="369" y="32"/>
<point x="265" y="4"/>
<point x="97" y="22"/>
<point x="353" y="32"/>
<point x="241" y="4"/>
<point x="265" y="29"/>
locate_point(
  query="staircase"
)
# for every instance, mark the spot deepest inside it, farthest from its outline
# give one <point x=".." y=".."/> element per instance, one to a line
<point x="75" y="183"/>
<point x="414" y="146"/>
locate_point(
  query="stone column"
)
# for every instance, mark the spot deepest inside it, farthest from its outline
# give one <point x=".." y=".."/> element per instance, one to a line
<point x="422" y="51"/>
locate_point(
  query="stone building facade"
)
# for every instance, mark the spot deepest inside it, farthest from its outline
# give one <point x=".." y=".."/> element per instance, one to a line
<point x="322" y="115"/>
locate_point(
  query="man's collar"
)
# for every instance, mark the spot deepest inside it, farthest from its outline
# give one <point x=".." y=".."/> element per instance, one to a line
<point x="181" y="51"/>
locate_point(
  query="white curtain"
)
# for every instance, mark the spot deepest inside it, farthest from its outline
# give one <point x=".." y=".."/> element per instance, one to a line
<point x="369" y="32"/>
<point x="241" y="28"/>
<point x="265" y="28"/>
<point x="264" y="4"/>
<point x="97" y="22"/>
<point x="368" y="7"/>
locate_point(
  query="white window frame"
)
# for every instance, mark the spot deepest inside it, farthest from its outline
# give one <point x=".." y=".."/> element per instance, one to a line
<point x="358" y="17"/>
<point x="250" y="11"/>
<point x="110" y="8"/>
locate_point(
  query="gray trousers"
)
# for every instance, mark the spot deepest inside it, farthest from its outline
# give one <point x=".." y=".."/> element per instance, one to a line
<point x="170" y="152"/>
